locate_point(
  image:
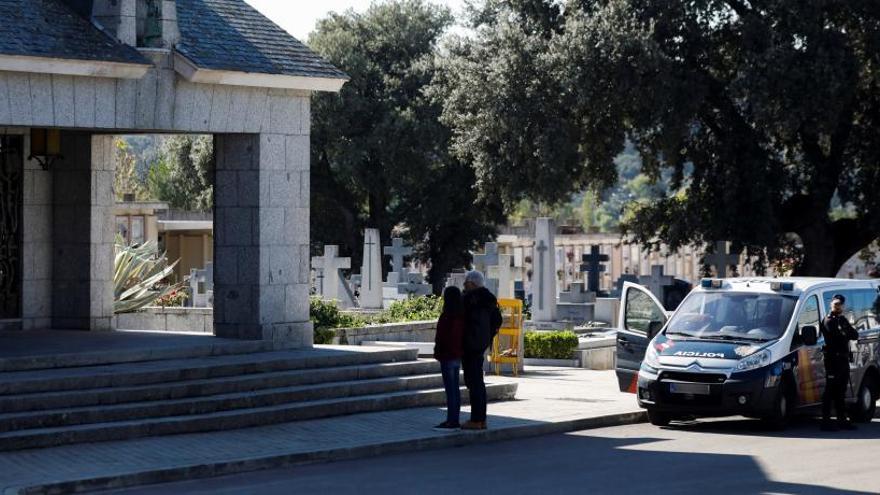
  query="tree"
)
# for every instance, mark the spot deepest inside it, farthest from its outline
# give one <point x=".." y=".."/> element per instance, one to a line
<point x="379" y="153"/>
<point x="183" y="175"/>
<point x="125" y="179"/>
<point x="775" y="105"/>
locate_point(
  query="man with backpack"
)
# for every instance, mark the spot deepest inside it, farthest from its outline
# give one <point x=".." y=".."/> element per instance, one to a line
<point x="482" y="321"/>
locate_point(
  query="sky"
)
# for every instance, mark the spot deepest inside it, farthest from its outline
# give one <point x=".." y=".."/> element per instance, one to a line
<point x="299" y="17"/>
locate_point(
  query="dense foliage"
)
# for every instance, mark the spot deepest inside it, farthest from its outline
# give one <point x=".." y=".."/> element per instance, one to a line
<point x="775" y="105"/>
<point x="550" y="345"/>
<point x="379" y="153"/>
<point x="326" y="315"/>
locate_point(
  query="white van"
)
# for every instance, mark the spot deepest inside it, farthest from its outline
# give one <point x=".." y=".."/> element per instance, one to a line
<point x="746" y="346"/>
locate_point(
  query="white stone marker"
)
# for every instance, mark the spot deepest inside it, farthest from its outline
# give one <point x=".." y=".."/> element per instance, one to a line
<point x="544" y="272"/>
<point x="504" y="274"/>
<point x="329" y="265"/>
<point x="371" y="271"/>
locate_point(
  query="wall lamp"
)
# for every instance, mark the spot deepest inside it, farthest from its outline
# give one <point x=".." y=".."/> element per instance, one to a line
<point x="45" y="146"/>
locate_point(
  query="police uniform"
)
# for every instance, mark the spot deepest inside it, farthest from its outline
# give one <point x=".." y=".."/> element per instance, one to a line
<point x="837" y="331"/>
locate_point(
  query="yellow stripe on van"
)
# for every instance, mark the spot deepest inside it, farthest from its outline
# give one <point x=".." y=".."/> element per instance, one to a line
<point x="806" y="380"/>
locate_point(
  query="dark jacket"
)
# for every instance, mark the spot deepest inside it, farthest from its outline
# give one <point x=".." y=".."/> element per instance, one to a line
<point x="482" y="319"/>
<point x="448" y="343"/>
<point x="837" y="331"/>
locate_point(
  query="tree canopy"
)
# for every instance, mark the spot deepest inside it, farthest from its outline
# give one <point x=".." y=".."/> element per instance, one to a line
<point x="379" y="152"/>
<point x="774" y="106"/>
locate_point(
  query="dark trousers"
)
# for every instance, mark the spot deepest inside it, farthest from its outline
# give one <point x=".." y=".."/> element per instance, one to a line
<point x="472" y="364"/>
<point x="837" y="379"/>
<point x="450" y="371"/>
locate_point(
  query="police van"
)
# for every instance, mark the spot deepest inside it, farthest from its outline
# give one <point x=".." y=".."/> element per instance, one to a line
<point x="744" y="346"/>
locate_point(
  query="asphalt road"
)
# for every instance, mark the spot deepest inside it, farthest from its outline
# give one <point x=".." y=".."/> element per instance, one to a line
<point x="730" y="455"/>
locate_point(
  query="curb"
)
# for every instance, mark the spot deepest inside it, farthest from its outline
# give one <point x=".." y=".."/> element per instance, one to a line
<point x="214" y="469"/>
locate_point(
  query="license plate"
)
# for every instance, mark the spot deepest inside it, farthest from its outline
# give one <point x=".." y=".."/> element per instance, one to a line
<point x="689" y="388"/>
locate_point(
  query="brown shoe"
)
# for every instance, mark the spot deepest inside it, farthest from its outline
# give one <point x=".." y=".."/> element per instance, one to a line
<point x="474" y="425"/>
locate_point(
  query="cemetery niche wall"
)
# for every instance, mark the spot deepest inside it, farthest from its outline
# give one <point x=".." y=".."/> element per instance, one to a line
<point x="217" y="68"/>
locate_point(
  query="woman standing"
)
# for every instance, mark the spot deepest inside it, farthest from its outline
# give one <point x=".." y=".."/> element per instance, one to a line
<point x="448" y="350"/>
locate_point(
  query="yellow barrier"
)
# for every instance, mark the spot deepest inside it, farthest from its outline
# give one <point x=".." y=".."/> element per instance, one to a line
<point x="506" y="347"/>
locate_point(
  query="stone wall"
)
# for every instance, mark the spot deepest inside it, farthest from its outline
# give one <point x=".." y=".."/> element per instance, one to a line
<point x="191" y="320"/>
<point x="415" y="331"/>
<point x="36" y="246"/>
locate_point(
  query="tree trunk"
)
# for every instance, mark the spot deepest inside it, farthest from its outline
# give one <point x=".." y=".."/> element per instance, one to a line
<point x="819" y="251"/>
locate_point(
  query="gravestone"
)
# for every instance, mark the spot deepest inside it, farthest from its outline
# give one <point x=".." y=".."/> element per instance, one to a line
<point x="455" y="279"/>
<point x="201" y="284"/>
<point x="371" y="272"/>
<point x="414" y="285"/>
<point x="593" y="267"/>
<point x="544" y="277"/>
<point x="398" y="251"/>
<point x="576" y="305"/>
<point x="503" y="273"/>
<point x="656" y="282"/>
<point x="483" y="261"/>
<point x="721" y="259"/>
<point x="330" y="266"/>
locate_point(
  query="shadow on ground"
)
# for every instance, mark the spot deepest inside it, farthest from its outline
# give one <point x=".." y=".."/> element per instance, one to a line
<point x="563" y="464"/>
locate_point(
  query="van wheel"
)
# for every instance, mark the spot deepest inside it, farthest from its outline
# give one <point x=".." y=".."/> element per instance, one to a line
<point x="658" y="418"/>
<point x="781" y="413"/>
<point x="866" y="401"/>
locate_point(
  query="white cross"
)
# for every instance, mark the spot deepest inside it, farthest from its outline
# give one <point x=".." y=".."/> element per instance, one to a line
<point x="331" y="266"/>
<point x="397" y="251"/>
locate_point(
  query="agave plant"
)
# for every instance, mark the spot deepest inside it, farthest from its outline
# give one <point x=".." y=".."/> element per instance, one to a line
<point x="138" y="272"/>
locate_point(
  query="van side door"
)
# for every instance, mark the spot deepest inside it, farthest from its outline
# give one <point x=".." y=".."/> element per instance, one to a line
<point x="810" y="371"/>
<point x="641" y="317"/>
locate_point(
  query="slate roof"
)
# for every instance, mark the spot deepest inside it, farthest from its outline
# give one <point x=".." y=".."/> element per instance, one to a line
<point x="49" y="28"/>
<point x="232" y="35"/>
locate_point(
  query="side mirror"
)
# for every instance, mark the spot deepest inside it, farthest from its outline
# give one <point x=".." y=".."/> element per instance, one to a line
<point x="653" y="328"/>
<point x="809" y="335"/>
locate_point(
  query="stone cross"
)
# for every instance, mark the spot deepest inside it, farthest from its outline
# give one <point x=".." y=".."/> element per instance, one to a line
<point x="455" y="280"/>
<point x="413" y="284"/>
<point x="721" y="259"/>
<point x="397" y="251"/>
<point x="331" y="266"/>
<point x="578" y="295"/>
<point x="656" y="281"/>
<point x="504" y="276"/>
<point x="592" y="265"/>
<point x="490" y="258"/>
<point x="371" y="272"/>
<point x="319" y="280"/>
<point x="544" y="271"/>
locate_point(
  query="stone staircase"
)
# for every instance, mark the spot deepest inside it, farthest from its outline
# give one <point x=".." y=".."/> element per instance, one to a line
<point x="170" y="395"/>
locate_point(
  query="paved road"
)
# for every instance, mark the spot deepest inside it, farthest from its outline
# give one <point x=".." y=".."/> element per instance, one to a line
<point x="705" y="457"/>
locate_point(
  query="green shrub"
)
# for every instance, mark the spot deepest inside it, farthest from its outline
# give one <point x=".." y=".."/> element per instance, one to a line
<point x="326" y="316"/>
<point x="415" y="309"/>
<point x="550" y="345"/>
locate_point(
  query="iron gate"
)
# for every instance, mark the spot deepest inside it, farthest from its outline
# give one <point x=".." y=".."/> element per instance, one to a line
<point x="11" y="200"/>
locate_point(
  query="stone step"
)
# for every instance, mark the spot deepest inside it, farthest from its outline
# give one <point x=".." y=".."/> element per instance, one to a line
<point x="212" y="386"/>
<point x="215" y="403"/>
<point x="172" y="370"/>
<point x="239" y="418"/>
<point x="211" y="347"/>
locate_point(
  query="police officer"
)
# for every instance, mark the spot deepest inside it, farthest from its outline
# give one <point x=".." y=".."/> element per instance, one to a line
<point x="837" y="332"/>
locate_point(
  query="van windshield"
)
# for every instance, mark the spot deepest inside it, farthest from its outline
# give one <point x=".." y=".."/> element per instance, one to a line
<point x="732" y="316"/>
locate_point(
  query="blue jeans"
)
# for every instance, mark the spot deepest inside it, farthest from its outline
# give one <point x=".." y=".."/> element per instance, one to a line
<point x="450" y="371"/>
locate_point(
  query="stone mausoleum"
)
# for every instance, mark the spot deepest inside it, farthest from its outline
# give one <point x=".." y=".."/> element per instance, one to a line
<point x="73" y="73"/>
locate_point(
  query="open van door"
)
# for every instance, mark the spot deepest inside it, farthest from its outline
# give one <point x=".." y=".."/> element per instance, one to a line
<point x="641" y="317"/>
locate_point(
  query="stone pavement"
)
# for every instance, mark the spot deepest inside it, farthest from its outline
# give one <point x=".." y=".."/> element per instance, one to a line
<point x="549" y="400"/>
